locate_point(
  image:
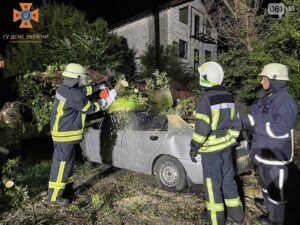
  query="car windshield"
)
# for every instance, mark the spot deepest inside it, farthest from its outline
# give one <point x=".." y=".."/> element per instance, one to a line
<point x="139" y="121"/>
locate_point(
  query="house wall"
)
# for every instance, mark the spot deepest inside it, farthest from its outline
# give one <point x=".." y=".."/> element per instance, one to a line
<point x="178" y="30"/>
<point x="138" y="33"/>
<point x="141" y="32"/>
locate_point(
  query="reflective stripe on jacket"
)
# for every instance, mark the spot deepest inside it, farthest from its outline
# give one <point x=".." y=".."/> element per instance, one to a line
<point x="68" y="114"/>
<point x="217" y="124"/>
<point x="273" y="119"/>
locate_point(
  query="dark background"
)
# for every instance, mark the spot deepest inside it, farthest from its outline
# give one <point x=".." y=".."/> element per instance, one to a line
<point x="112" y="11"/>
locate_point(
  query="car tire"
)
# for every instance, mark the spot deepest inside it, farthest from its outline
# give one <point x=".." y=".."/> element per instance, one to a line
<point x="170" y="174"/>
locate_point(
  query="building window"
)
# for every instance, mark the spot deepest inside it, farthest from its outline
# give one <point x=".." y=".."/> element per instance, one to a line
<point x="208" y="28"/>
<point x="182" y="49"/>
<point x="196" y="61"/>
<point x="197" y="23"/>
<point x="183" y="15"/>
<point x="207" y="56"/>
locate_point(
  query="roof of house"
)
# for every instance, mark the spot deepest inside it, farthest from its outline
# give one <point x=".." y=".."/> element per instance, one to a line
<point x="146" y="13"/>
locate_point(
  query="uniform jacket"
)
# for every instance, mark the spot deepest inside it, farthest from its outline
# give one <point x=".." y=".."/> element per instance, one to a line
<point x="69" y="112"/>
<point x="217" y="123"/>
<point x="272" y="119"/>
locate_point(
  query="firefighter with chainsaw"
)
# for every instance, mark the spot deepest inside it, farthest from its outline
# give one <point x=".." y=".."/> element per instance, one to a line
<point x="271" y="122"/>
<point x="217" y="126"/>
<point x="67" y="124"/>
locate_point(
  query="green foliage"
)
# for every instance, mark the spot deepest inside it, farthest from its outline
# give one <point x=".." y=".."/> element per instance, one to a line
<point x="84" y="168"/>
<point x="73" y="208"/>
<point x="158" y="81"/>
<point x="37" y="91"/>
<point x="10" y="167"/>
<point x="169" y="62"/>
<point x="123" y="103"/>
<point x="160" y="100"/>
<point x="17" y="196"/>
<point x="71" y="38"/>
<point x="186" y="107"/>
<point x="157" y="89"/>
<point x="33" y="172"/>
<point x="25" y="172"/>
<point x="280" y="43"/>
<point x="97" y="201"/>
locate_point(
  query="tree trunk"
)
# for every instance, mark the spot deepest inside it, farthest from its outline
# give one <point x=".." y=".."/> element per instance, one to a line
<point x="4" y="150"/>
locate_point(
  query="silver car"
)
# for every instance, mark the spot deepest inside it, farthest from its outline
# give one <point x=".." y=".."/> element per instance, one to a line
<point x="152" y="144"/>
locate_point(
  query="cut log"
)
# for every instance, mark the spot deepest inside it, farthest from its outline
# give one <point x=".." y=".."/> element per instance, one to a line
<point x="160" y="100"/>
<point x="4" y="150"/>
<point x="10" y="116"/>
<point x="7" y="182"/>
<point x="122" y="88"/>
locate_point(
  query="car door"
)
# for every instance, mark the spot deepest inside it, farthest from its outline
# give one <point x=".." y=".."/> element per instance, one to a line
<point x="142" y="141"/>
<point x="138" y="148"/>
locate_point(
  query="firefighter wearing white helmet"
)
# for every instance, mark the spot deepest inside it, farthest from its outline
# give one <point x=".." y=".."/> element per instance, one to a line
<point x="67" y="124"/>
<point x="275" y="71"/>
<point x="211" y="74"/>
<point x="271" y="121"/>
<point x="217" y="126"/>
<point x="76" y="72"/>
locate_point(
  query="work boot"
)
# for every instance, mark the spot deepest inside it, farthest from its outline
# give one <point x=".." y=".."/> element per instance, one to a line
<point x="62" y="202"/>
<point x="259" y="202"/>
<point x="68" y="192"/>
<point x="204" y="219"/>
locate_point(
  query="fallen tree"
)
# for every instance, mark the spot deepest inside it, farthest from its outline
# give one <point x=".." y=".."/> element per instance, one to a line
<point x="4" y="150"/>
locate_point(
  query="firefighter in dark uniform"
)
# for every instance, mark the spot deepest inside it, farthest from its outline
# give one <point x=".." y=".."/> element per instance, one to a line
<point x="67" y="123"/>
<point x="217" y="127"/>
<point x="271" y="121"/>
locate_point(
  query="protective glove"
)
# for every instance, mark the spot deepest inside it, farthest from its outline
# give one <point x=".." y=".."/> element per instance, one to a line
<point x="193" y="155"/>
<point x="106" y="102"/>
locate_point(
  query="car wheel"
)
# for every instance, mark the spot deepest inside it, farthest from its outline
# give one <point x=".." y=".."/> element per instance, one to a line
<point x="170" y="174"/>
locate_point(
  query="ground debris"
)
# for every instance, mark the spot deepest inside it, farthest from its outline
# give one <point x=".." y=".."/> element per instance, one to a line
<point x="105" y="195"/>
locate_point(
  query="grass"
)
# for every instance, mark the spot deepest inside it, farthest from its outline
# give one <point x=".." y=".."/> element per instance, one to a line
<point x="84" y="168"/>
<point x="98" y="201"/>
<point x="73" y="208"/>
<point x="34" y="172"/>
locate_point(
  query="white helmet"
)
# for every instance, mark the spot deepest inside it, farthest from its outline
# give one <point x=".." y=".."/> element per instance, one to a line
<point x="74" y="70"/>
<point x="275" y="71"/>
<point x="211" y="74"/>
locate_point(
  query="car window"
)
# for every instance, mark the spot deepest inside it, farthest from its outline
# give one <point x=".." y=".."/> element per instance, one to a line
<point x="135" y="121"/>
<point x="149" y="121"/>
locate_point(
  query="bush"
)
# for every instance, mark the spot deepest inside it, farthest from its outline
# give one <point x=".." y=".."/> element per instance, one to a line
<point x="37" y="92"/>
<point x="186" y="107"/>
<point x="16" y="196"/>
<point x="169" y="62"/>
<point x="280" y="43"/>
<point x="71" y="39"/>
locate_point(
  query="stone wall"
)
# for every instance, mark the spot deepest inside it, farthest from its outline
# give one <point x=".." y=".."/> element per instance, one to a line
<point x="141" y="32"/>
<point x="138" y="33"/>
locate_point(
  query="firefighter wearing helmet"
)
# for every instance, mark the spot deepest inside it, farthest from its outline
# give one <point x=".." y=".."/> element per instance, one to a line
<point x="271" y="121"/>
<point x="217" y="126"/>
<point x="67" y="123"/>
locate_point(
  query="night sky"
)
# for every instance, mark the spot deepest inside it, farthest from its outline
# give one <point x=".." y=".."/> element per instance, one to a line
<point x="112" y="11"/>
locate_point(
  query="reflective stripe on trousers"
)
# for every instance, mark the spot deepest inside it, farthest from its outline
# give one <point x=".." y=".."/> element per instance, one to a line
<point x="61" y="169"/>
<point x="272" y="180"/>
<point x="218" y="176"/>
